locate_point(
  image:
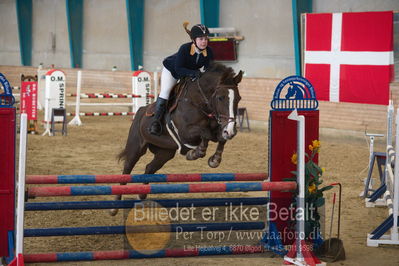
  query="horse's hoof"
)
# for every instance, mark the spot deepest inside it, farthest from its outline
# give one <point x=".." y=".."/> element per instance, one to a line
<point x="214" y="162"/>
<point x="191" y="155"/>
<point x="142" y="196"/>
<point x="201" y="154"/>
<point x="113" y="212"/>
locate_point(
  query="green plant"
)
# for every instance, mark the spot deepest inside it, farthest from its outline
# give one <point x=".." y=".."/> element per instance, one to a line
<point x="314" y="198"/>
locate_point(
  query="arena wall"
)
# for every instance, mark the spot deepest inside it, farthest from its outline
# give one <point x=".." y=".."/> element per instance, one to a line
<point x="266" y="52"/>
<point x="256" y="95"/>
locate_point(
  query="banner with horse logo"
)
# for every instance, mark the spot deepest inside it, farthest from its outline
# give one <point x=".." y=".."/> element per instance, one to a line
<point x="349" y="56"/>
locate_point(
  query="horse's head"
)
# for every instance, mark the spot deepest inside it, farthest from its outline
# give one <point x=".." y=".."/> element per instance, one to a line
<point x="225" y="103"/>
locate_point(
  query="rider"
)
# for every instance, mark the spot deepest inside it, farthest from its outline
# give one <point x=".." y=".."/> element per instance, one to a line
<point x="191" y="59"/>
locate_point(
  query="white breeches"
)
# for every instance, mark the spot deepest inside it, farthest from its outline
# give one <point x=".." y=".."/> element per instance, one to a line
<point x="167" y="83"/>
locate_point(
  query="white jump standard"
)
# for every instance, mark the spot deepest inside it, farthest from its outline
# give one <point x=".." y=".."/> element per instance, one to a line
<point x="378" y="236"/>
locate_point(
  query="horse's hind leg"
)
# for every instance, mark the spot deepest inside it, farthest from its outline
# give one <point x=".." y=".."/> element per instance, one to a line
<point x="130" y="162"/>
<point x="161" y="157"/>
<point x="132" y="154"/>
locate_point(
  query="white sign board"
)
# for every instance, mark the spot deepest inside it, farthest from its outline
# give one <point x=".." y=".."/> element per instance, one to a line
<point x="54" y="93"/>
<point x="41" y="83"/>
<point x="141" y="84"/>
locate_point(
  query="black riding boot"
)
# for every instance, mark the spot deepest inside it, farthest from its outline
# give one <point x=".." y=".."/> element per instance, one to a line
<point x="156" y="125"/>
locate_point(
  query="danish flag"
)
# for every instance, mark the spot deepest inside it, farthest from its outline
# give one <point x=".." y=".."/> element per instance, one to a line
<point x="349" y="56"/>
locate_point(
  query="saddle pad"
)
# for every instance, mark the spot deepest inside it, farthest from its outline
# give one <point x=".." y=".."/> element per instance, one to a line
<point x="150" y="111"/>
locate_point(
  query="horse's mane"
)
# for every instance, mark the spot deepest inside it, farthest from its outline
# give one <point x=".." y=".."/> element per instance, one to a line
<point x="220" y="70"/>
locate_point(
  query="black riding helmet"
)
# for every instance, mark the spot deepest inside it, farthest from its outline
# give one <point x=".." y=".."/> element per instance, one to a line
<point x="199" y="30"/>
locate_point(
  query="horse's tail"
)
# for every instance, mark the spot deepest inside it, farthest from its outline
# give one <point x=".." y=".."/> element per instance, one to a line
<point x="122" y="155"/>
<point x="133" y="133"/>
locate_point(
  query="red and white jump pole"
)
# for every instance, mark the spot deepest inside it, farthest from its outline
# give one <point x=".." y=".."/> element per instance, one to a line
<point x="141" y="96"/>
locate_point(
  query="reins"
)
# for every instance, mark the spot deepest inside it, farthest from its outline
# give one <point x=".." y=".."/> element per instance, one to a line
<point x="202" y="93"/>
<point x="214" y="113"/>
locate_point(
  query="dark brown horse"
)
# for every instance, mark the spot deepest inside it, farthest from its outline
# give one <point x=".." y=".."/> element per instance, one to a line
<point x="204" y="110"/>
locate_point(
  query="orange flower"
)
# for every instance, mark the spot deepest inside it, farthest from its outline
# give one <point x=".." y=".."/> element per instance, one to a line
<point x="315" y="146"/>
<point x="312" y="188"/>
<point x="294" y="158"/>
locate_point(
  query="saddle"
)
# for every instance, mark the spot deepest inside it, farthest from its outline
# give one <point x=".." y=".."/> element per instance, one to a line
<point x="174" y="97"/>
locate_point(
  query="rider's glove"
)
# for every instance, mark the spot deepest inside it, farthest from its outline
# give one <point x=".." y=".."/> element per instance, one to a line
<point x="196" y="75"/>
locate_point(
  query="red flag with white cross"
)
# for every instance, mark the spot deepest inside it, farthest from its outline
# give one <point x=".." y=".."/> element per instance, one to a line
<point x="349" y="56"/>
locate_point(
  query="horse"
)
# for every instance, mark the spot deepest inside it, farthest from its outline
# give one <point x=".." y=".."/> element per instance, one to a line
<point x="204" y="110"/>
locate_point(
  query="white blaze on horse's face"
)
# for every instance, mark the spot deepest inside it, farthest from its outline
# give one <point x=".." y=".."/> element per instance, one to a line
<point x="229" y="129"/>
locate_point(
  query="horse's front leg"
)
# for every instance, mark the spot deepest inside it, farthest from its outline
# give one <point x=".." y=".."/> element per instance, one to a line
<point x="198" y="152"/>
<point x="216" y="158"/>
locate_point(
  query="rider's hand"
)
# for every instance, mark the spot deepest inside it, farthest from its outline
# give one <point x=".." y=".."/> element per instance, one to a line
<point x="196" y="75"/>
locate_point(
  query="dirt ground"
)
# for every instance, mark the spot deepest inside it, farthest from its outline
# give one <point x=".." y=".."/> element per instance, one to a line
<point x="92" y="149"/>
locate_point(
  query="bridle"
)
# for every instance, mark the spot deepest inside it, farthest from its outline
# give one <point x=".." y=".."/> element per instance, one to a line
<point x="214" y="114"/>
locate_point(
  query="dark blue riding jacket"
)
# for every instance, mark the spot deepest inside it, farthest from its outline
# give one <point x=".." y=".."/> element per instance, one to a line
<point x="186" y="62"/>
